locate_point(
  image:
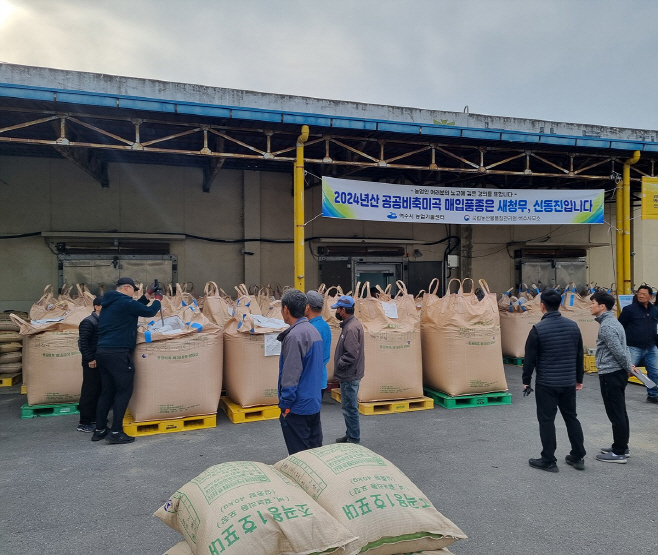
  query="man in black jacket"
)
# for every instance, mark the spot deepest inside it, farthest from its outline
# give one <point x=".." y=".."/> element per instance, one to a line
<point x="91" y="378"/>
<point x="639" y="321"/>
<point x="555" y="349"/>
<point x="117" y="337"/>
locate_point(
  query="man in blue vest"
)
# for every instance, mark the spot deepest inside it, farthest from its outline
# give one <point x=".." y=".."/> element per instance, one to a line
<point x="555" y="349"/>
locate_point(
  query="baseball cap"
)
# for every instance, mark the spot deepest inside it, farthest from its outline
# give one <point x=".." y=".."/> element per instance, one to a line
<point x="315" y="300"/>
<point x="126" y="281"/>
<point x="98" y="301"/>
<point x="344" y="302"/>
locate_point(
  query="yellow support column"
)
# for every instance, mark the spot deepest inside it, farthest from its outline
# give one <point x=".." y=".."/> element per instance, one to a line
<point x="619" y="243"/>
<point x="299" y="210"/>
<point x="627" y="221"/>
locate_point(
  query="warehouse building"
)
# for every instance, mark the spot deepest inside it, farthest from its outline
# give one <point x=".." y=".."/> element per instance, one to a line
<point x="102" y="176"/>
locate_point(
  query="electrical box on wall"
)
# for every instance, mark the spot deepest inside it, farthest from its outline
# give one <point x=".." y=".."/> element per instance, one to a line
<point x="453" y="261"/>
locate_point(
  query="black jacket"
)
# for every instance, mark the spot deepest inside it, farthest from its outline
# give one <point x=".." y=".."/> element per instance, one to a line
<point x="349" y="357"/>
<point x="88" y="338"/>
<point x="639" y="324"/>
<point x="555" y="348"/>
<point x="117" y="325"/>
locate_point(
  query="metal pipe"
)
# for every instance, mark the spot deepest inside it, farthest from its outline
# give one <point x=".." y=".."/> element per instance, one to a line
<point x="626" y="176"/>
<point x="299" y="209"/>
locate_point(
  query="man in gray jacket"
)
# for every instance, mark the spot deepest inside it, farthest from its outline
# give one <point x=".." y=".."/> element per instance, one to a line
<point x="613" y="362"/>
<point x="349" y="366"/>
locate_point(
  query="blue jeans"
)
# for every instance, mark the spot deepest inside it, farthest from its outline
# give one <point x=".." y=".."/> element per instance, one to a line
<point x="650" y="356"/>
<point x="350" y="406"/>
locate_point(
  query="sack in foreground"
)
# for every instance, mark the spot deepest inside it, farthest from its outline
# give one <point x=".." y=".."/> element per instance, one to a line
<point x="372" y="498"/>
<point x="248" y="508"/>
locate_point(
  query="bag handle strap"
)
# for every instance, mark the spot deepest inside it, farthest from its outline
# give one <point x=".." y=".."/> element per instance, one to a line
<point x="461" y="289"/>
<point x="210" y="289"/>
<point x="402" y="288"/>
<point x="322" y="288"/>
<point x="436" y="287"/>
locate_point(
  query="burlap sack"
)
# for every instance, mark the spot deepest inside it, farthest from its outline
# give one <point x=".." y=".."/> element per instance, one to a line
<point x="393" y="356"/>
<point x="516" y="321"/>
<point x="372" y="498"/>
<point x="67" y="318"/>
<point x="215" y="307"/>
<point x="6" y="323"/>
<point x="178" y="376"/>
<point x="329" y="316"/>
<point x="45" y="304"/>
<point x="11" y="367"/>
<point x="10" y="336"/>
<point x="576" y="308"/>
<point x="248" y="508"/>
<point x="6" y="358"/>
<point x="246" y="303"/>
<point x="52" y="367"/>
<point x="250" y="378"/>
<point x="11" y="347"/>
<point x="461" y="342"/>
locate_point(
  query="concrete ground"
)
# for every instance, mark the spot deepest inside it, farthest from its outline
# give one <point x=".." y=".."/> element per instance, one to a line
<point x="63" y="494"/>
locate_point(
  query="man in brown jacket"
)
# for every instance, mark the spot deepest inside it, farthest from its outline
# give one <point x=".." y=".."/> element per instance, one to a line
<point x="349" y="364"/>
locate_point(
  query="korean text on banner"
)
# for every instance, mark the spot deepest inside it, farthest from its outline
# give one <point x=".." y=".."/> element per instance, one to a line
<point x="649" y="198"/>
<point x="382" y="202"/>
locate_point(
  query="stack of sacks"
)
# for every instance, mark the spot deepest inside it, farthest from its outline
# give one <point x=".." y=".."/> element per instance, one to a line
<point x="178" y="366"/>
<point x="461" y="342"/>
<point x="517" y="316"/>
<point x="11" y="345"/>
<point x="329" y="316"/>
<point x="392" y="343"/>
<point x="251" y="356"/>
<point x="52" y="365"/>
<point x="307" y="504"/>
<point x="576" y="308"/>
<point x="217" y="305"/>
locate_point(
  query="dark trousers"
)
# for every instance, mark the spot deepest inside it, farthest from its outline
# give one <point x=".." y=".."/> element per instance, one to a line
<point x="117" y="377"/>
<point x="301" y="431"/>
<point x="549" y="399"/>
<point x="613" y="388"/>
<point x="91" y="391"/>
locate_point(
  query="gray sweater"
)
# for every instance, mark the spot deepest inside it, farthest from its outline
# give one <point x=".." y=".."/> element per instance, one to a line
<point x="612" y="354"/>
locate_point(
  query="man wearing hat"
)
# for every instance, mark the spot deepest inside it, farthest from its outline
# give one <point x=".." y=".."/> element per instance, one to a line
<point x="349" y="365"/>
<point x="314" y="315"/>
<point x="117" y="337"/>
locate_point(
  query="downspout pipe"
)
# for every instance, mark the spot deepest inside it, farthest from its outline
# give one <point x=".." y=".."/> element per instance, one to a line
<point x="626" y="179"/>
<point x="298" y="193"/>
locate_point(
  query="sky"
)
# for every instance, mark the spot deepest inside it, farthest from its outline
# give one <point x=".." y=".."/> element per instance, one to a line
<point x="579" y="61"/>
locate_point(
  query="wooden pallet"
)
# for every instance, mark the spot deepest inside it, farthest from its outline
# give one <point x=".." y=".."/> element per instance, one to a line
<point x="238" y="414"/>
<point x="7" y="380"/>
<point x="515" y="361"/>
<point x="465" y="401"/>
<point x="633" y="379"/>
<point x="590" y="364"/>
<point x="388" y="407"/>
<point x="36" y="411"/>
<point x="153" y="427"/>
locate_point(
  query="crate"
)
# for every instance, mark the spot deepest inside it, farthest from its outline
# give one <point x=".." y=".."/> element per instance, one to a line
<point x="388" y="407"/>
<point x="23" y="389"/>
<point x="465" y="401"/>
<point x="238" y="414"/>
<point x="633" y="379"/>
<point x="36" y="411"/>
<point x="513" y="361"/>
<point x="153" y="427"/>
<point x="590" y="364"/>
<point x="7" y="380"/>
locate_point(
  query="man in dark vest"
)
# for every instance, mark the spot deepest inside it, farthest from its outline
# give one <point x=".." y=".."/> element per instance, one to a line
<point x="555" y="349"/>
<point x="91" y="378"/>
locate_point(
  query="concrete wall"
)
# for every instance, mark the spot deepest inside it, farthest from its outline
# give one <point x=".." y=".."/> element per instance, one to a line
<point x="39" y="194"/>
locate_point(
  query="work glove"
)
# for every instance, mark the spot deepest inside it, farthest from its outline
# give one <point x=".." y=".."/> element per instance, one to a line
<point x="155" y="290"/>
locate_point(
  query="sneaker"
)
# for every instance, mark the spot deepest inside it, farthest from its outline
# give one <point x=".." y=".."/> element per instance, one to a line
<point x="541" y="464"/>
<point x="605" y="450"/>
<point x="578" y="464"/>
<point x="611" y="457"/>
<point x="119" y="437"/>
<point x="99" y="434"/>
<point x="342" y="439"/>
<point x="653" y="400"/>
<point x="87" y="428"/>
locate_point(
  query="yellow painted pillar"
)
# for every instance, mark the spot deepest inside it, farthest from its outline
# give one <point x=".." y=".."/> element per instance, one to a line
<point x="619" y="236"/>
<point x="299" y="210"/>
<point x="626" y="177"/>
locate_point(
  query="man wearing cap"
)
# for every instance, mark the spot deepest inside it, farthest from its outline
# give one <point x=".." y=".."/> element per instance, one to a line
<point x="314" y="315"/>
<point x="117" y="337"/>
<point x="91" y="378"/>
<point x="349" y="365"/>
